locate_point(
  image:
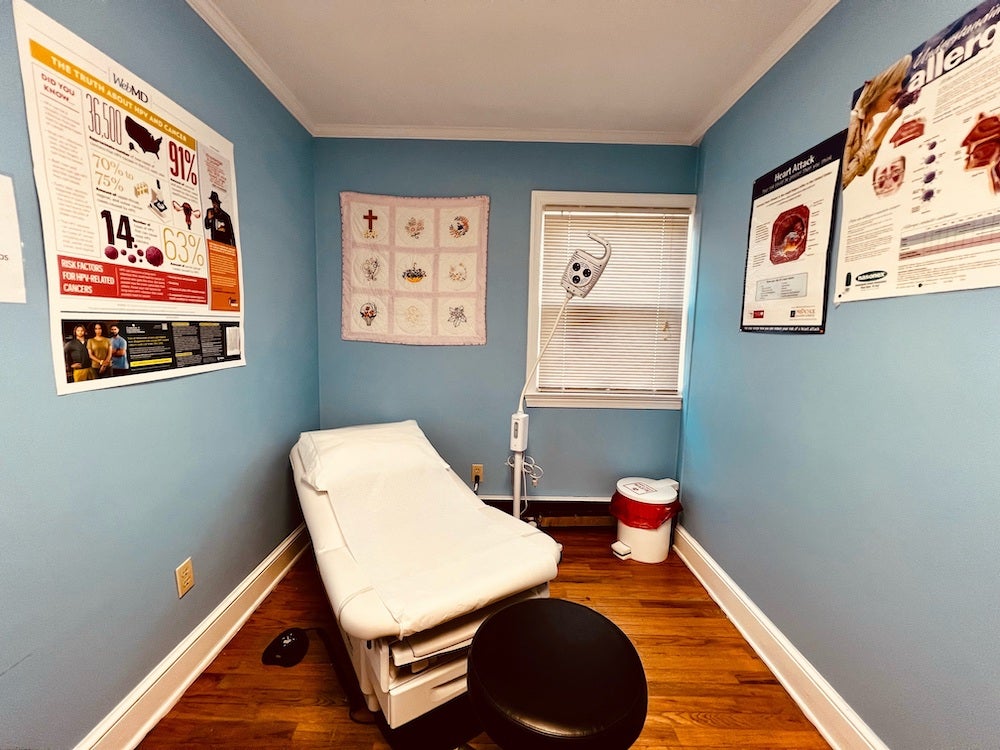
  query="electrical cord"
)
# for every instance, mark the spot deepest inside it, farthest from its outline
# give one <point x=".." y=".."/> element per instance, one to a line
<point x="530" y="470"/>
<point x="541" y="353"/>
<point x="516" y="507"/>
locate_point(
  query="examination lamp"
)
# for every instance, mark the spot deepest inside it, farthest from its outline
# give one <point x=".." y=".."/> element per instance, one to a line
<point x="580" y="276"/>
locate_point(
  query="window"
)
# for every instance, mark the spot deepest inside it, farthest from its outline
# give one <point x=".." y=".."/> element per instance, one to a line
<point x="621" y="346"/>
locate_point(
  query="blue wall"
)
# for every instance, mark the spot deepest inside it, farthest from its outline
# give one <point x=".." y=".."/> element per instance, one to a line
<point x="104" y="493"/>
<point x="849" y="482"/>
<point x="463" y="396"/>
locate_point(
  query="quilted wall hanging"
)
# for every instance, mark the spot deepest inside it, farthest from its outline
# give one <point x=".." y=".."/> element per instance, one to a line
<point x="414" y="269"/>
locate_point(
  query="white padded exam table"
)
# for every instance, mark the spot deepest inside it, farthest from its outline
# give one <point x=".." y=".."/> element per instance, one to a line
<point x="411" y="559"/>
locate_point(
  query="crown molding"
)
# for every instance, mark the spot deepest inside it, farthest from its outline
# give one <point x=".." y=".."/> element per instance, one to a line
<point x="211" y="15"/>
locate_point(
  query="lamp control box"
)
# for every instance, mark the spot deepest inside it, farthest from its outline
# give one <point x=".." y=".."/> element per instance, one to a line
<point x="518" y="431"/>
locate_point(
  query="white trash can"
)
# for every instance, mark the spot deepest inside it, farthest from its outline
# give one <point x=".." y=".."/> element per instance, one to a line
<point x="646" y="510"/>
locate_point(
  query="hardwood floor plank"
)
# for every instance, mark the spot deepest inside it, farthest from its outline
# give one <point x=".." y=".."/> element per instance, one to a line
<point x="707" y="688"/>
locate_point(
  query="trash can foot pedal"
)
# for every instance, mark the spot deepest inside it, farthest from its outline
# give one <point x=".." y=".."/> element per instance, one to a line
<point x="622" y="551"/>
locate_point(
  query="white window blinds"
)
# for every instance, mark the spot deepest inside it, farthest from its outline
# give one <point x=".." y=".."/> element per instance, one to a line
<point x="627" y="336"/>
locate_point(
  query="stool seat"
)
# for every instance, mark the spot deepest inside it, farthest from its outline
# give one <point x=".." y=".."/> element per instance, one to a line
<point x="550" y="673"/>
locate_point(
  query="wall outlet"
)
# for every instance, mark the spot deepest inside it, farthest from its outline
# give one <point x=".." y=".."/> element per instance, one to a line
<point x="185" y="577"/>
<point x="477" y="471"/>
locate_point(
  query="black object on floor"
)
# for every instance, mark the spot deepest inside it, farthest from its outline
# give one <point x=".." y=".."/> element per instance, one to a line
<point x="287" y="649"/>
<point x="550" y="673"/>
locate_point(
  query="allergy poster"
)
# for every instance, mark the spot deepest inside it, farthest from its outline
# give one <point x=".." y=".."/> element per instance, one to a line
<point x="791" y="231"/>
<point x="139" y="219"/>
<point x="921" y="178"/>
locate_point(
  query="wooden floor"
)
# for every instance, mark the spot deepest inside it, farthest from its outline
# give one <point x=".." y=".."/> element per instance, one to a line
<point x="707" y="688"/>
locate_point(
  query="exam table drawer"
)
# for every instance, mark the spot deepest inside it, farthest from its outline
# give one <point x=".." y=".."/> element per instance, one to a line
<point x="423" y="692"/>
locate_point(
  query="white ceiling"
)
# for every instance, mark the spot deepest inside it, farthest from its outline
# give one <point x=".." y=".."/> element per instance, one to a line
<point x="602" y="71"/>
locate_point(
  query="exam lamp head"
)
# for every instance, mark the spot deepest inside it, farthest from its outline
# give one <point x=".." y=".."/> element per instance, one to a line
<point x="584" y="269"/>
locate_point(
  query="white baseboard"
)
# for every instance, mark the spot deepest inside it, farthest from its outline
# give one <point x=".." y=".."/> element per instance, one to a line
<point x="153" y="698"/>
<point x="832" y="716"/>
<point x="545" y="499"/>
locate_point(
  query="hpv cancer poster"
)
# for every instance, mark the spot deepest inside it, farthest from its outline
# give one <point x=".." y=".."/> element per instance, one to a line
<point x="139" y="219"/>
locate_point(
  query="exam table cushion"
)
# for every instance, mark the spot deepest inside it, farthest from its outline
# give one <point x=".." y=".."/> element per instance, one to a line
<point x="409" y="530"/>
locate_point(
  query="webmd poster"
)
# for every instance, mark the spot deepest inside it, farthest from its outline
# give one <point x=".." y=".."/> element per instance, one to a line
<point x="139" y="218"/>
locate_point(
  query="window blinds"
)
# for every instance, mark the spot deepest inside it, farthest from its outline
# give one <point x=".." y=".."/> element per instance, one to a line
<point x="625" y="336"/>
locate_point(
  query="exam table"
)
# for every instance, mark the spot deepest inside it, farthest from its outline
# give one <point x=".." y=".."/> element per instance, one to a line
<point x="411" y="559"/>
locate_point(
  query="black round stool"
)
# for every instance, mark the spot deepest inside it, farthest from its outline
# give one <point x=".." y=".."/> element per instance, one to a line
<point x="549" y="673"/>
